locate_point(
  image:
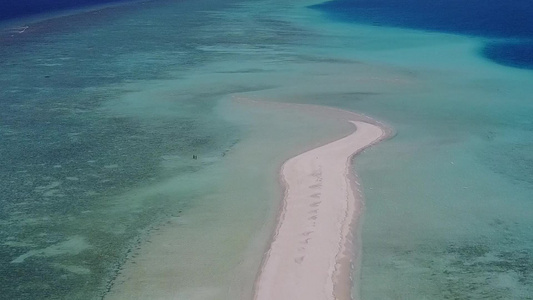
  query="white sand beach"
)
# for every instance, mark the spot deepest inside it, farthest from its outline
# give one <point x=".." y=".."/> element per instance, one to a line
<point x="310" y="254"/>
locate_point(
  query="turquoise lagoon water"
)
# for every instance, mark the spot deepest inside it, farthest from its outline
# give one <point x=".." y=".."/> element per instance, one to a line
<point x="101" y="114"/>
<point x="449" y="217"/>
<point x="69" y="150"/>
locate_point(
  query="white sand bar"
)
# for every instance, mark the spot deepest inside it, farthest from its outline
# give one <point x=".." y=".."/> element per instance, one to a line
<point x="309" y="257"/>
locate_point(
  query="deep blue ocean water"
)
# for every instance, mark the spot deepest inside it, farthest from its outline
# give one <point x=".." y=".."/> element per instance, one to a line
<point x="12" y="9"/>
<point x="508" y="23"/>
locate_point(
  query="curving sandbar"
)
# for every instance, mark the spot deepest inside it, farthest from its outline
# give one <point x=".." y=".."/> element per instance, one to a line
<point x="310" y="254"/>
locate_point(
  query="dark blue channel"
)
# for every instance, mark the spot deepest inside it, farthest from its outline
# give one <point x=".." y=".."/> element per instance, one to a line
<point x="13" y="9"/>
<point x="509" y="21"/>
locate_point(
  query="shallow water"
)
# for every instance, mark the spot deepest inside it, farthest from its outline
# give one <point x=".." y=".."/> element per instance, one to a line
<point x="99" y="139"/>
<point x="97" y="143"/>
<point x="448" y="199"/>
<point x="73" y="141"/>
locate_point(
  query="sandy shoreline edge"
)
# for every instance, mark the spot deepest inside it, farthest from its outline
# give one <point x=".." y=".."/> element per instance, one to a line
<point x="165" y="266"/>
<point x="312" y="249"/>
